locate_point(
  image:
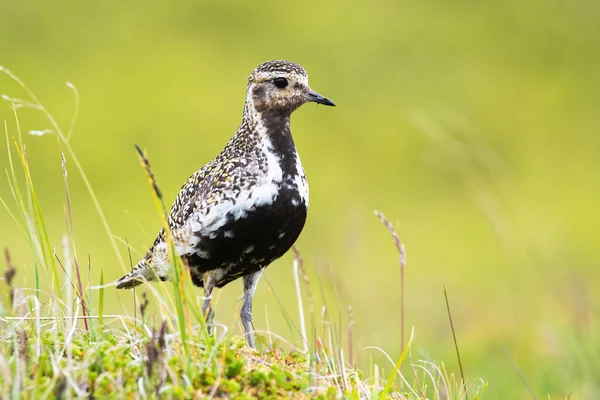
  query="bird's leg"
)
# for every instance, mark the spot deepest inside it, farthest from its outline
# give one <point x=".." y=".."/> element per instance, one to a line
<point x="207" y="310"/>
<point x="250" y="282"/>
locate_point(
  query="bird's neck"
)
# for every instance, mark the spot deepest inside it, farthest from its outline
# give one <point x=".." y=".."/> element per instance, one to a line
<point x="272" y="126"/>
<point x="272" y="134"/>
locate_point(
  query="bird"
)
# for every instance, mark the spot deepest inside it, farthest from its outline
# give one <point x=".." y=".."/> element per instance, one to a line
<point x="245" y="208"/>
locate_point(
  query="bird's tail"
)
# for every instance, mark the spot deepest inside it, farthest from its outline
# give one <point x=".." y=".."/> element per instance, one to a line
<point x="141" y="273"/>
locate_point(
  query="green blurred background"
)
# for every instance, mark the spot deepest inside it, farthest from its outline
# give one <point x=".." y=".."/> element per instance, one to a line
<point x="474" y="126"/>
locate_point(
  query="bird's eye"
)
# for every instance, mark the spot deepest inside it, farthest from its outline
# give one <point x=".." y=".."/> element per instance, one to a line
<point x="280" y="82"/>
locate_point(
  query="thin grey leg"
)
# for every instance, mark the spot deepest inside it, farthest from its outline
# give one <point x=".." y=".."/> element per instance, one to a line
<point x="250" y="282"/>
<point x="207" y="310"/>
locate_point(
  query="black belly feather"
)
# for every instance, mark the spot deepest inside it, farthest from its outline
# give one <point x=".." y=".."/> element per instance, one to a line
<point x="253" y="242"/>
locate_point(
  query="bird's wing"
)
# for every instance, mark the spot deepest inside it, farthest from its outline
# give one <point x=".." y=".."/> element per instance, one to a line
<point x="194" y="189"/>
<point x="192" y="192"/>
<point x="217" y="192"/>
<point x="212" y="195"/>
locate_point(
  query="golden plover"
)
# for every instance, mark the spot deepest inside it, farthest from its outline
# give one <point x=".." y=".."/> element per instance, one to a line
<point x="247" y="207"/>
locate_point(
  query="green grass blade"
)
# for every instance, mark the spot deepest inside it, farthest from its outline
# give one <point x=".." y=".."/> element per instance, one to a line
<point x="390" y="380"/>
<point x="101" y="300"/>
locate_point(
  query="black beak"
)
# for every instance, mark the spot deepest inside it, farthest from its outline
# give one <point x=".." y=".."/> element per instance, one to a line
<point x="317" y="98"/>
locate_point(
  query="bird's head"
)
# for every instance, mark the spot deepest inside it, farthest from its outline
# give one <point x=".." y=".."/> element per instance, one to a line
<point x="281" y="87"/>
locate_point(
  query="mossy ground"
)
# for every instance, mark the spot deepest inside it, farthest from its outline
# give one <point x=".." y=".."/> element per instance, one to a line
<point x="116" y="367"/>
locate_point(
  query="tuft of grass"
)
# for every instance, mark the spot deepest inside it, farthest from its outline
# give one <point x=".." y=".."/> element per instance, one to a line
<point x="55" y="343"/>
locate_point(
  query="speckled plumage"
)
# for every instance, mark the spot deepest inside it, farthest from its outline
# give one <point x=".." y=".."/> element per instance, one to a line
<point x="247" y="207"/>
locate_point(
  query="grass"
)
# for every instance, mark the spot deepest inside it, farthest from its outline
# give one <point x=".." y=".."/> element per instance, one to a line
<point x="56" y="341"/>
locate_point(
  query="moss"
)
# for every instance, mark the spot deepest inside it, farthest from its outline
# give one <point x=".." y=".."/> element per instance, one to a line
<point x="282" y="378"/>
<point x="112" y="367"/>
<point x="206" y="378"/>
<point x="257" y="377"/>
<point x="234" y="368"/>
<point x="231" y="386"/>
<point x="332" y="393"/>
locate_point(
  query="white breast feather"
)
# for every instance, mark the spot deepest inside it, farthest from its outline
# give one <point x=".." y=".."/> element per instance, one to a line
<point x="300" y="180"/>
